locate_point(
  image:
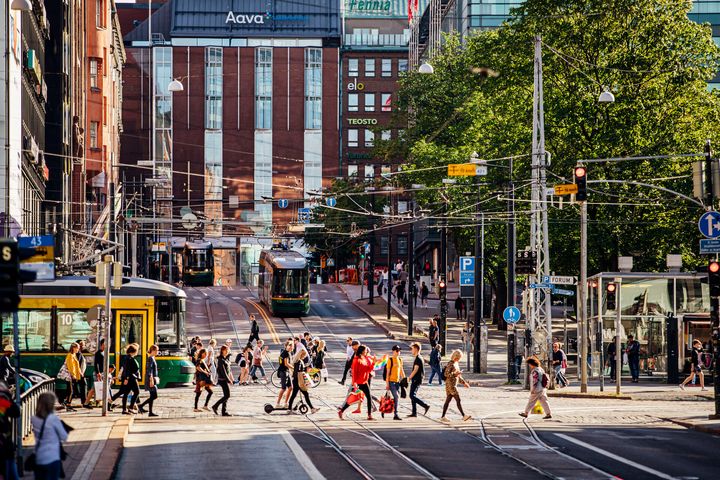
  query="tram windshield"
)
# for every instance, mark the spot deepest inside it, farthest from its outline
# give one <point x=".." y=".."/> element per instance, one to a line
<point x="198" y="260"/>
<point x="169" y="321"/>
<point x="290" y="282"/>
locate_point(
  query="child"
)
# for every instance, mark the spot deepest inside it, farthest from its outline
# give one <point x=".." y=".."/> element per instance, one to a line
<point x="537" y="390"/>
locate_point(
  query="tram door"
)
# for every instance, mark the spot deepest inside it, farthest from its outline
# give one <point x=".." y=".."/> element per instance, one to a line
<point x="131" y="328"/>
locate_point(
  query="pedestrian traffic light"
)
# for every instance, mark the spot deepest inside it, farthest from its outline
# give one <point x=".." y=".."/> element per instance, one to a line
<point x="10" y="275"/>
<point x="580" y="175"/>
<point x="611" y="296"/>
<point x="714" y="278"/>
<point x="442" y="291"/>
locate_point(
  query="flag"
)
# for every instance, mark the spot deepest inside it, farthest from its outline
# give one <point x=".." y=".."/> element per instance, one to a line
<point x="379" y="364"/>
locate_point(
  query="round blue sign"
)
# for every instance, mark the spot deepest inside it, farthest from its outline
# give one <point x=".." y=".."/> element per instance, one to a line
<point x="283" y="203"/>
<point x="331" y="201"/>
<point x="511" y="315"/>
<point x="709" y="224"/>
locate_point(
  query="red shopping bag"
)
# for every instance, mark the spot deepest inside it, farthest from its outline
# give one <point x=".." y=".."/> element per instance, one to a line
<point x="387" y="404"/>
<point x="355" y="397"/>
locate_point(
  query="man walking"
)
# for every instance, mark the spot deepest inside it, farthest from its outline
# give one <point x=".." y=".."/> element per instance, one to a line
<point x="416" y="378"/>
<point x="559" y="361"/>
<point x="633" y="354"/>
<point x="258" y="354"/>
<point x="254" y="329"/>
<point x="434" y="332"/>
<point x="612" y="358"/>
<point x="352" y="346"/>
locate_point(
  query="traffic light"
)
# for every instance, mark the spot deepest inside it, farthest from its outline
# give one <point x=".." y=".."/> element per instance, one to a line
<point x="580" y="175"/>
<point x="10" y="275"/>
<point x="714" y="278"/>
<point x="442" y="292"/>
<point x="611" y="296"/>
<point x="526" y="263"/>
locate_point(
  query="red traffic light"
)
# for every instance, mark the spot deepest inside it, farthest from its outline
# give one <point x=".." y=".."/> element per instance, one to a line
<point x="611" y="287"/>
<point x="713" y="267"/>
<point x="441" y="284"/>
<point x="580" y="172"/>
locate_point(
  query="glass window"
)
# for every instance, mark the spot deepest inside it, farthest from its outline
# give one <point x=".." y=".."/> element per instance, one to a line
<point x="352" y="102"/>
<point x="93" y="73"/>
<point x="402" y="206"/>
<point x="369" y="138"/>
<point x="213" y="164"/>
<point x="369" y="102"/>
<point x="167" y="320"/>
<point x="163" y="112"/>
<point x="402" y="65"/>
<point x="386" y="67"/>
<point x="352" y="171"/>
<point x="353" y="67"/>
<point x="99" y="13"/>
<point x="263" y="88"/>
<point x="386" y="102"/>
<point x="352" y="137"/>
<point x="213" y="87"/>
<point x="386" y="135"/>
<point x="290" y="282"/>
<point x="369" y="67"/>
<point x="384" y="242"/>
<point x="94" y="127"/>
<point x="73" y="325"/>
<point x="313" y="88"/>
<point x="692" y="296"/>
<point x="34" y="331"/>
<point x="402" y="245"/>
<point x="131" y="331"/>
<point x="369" y="171"/>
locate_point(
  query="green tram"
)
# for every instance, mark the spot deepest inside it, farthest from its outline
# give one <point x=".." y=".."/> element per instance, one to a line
<point x="284" y="282"/>
<point x="198" y="264"/>
<point x="55" y="314"/>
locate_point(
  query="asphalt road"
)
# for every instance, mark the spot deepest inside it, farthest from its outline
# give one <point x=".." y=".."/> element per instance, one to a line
<point x="586" y="439"/>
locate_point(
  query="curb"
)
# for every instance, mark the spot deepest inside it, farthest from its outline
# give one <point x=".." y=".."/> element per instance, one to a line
<point x="610" y="396"/>
<point x="715" y="430"/>
<point x="105" y="468"/>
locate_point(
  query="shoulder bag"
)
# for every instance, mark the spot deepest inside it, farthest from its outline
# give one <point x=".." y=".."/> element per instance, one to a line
<point x="31" y="460"/>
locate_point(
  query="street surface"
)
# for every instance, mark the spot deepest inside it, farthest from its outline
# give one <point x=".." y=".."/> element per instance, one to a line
<point x="587" y="437"/>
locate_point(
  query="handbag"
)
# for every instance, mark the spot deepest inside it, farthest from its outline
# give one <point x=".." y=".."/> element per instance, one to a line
<point x="31" y="460"/>
<point x="304" y="381"/>
<point x="64" y="373"/>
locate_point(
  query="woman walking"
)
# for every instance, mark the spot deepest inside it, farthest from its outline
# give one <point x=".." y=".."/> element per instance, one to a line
<point x="244" y="364"/>
<point x="202" y="380"/>
<point x="453" y="376"/>
<point x="71" y="373"/>
<point x="211" y="360"/>
<point x="320" y="360"/>
<point x="151" y="381"/>
<point x="298" y="370"/>
<point x="284" y="367"/>
<point x="225" y="379"/>
<point x="537" y="389"/>
<point x="696" y="367"/>
<point x="130" y="376"/>
<point x="49" y="435"/>
<point x="362" y="366"/>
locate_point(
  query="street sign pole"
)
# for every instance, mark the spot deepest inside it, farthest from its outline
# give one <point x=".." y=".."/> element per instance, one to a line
<point x="618" y="353"/>
<point x="582" y="298"/>
<point x="108" y="321"/>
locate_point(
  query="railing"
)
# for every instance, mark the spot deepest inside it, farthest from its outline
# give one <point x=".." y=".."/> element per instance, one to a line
<point x="28" y="403"/>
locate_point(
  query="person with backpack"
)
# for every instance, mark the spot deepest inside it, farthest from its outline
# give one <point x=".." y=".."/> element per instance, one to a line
<point x="559" y="361"/>
<point x="697" y="357"/>
<point x="254" y="330"/>
<point x="394" y="373"/>
<point x="436" y="369"/>
<point x="283" y="371"/>
<point x="452" y="376"/>
<point x="538" y="388"/>
<point x="202" y="380"/>
<point x="416" y="379"/>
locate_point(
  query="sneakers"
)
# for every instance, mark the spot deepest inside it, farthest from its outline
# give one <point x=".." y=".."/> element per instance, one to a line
<point x="278" y="405"/>
<point x="467" y="417"/>
<point x="523" y="414"/>
<point x="141" y="409"/>
<point x="412" y="415"/>
<point x="703" y="389"/>
<point x="397" y="417"/>
<point x="445" y="420"/>
<point x="547" y="417"/>
<point x="206" y="408"/>
<point x="356" y="411"/>
<point x="340" y="414"/>
<point x="426" y="410"/>
<point x="226" y="414"/>
<point x="214" y="409"/>
<point x="196" y="410"/>
<point x="682" y="387"/>
<point x="153" y="414"/>
<point x="314" y="410"/>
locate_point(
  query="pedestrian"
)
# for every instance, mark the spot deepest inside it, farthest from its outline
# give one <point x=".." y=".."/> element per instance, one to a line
<point x="225" y="379"/>
<point x="538" y="384"/>
<point x="7" y="371"/>
<point x="129" y="378"/>
<point x="152" y="379"/>
<point x="350" y="347"/>
<point x="400" y="293"/>
<point x="424" y="292"/>
<point x="299" y="345"/>
<point x="559" y="361"/>
<point x="70" y="372"/>
<point x="202" y="380"/>
<point x="414" y="292"/>
<point x="49" y="435"/>
<point x="257" y="362"/>
<point x="212" y="344"/>
<point x="453" y="376"/>
<point x="633" y="354"/>
<point x="81" y="383"/>
<point x="99" y="366"/>
<point x="433" y="332"/>
<point x="435" y="368"/>
<point x="612" y="358"/>
<point x="299" y="381"/>
<point x="254" y="329"/>
<point x="320" y="360"/>
<point x="381" y="282"/>
<point x="459" y="308"/>
<point x="193" y="348"/>
<point x="696" y="359"/>
<point x="11" y="410"/>
<point x="283" y="371"/>
<point x="307" y="341"/>
<point x="243" y="361"/>
<point x="362" y="366"/>
<point x="394" y="373"/>
<point x="416" y="378"/>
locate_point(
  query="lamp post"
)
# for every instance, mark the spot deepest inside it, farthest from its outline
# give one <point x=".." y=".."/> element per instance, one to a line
<point x="411" y="260"/>
<point x="371" y="256"/>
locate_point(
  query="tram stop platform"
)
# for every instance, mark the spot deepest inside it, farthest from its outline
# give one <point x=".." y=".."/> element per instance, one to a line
<point x="95" y="444"/>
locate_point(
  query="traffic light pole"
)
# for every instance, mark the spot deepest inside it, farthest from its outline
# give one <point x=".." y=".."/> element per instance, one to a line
<point x="411" y="273"/>
<point x="582" y="298"/>
<point x="443" y="278"/>
<point x="714" y="284"/>
<point x="108" y="260"/>
<point x="371" y="259"/>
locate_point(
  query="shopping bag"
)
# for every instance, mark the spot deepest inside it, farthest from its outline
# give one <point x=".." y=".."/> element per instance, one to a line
<point x="538" y="409"/>
<point x="355" y="397"/>
<point x="387" y="403"/>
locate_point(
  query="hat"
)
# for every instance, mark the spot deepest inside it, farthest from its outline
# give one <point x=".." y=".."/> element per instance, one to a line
<point x="396" y="348"/>
<point x="9" y="349"/>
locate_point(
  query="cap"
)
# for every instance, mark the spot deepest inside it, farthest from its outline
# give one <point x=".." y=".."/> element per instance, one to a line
<point x="9" y="349"/>
<point x="396" y="348"/>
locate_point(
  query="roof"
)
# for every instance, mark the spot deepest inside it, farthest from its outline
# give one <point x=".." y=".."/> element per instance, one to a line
<point x="288" y="259"/>
<point x="81" y="286"/>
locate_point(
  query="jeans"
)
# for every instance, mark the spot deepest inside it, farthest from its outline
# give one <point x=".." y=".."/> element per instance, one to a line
<point x="394" y="387"/>
<point x="414" y="387"/>
<point x="225" y="385"/>
<point x="254" y="369"/>
<point x="560" y="376"/>
<point x="131" y="387"/>
<point x="151" y="399"/>
<point x="348" y="364"/>
<point x="634" y="364"/>
<point x="51" y="471"/>
<point x="435" y="370"/>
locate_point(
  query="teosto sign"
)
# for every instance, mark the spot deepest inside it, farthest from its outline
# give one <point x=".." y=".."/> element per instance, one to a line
<point x="362" y="121"/>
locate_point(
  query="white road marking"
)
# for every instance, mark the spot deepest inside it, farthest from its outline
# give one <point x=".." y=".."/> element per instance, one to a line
<point x="615" y="457"/>
<point x="302" y="457"/>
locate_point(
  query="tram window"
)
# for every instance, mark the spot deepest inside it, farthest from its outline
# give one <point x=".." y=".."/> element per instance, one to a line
<point x="34" y="330"/>
<point x="291" y="282"/>
<point x="166" y="326"/>
<point x="198" y="260"/>
<point x="73" y="325"/>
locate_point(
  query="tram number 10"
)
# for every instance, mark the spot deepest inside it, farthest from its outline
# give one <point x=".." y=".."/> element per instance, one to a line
<point x="66" y="319"/>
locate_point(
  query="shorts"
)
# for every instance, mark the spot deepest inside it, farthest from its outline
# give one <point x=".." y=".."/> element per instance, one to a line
<point x="284" y="380"/>
<point x="697" y="369"/>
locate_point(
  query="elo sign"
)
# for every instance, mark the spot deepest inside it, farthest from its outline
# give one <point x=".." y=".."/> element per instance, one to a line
<point x="355" y="86"/>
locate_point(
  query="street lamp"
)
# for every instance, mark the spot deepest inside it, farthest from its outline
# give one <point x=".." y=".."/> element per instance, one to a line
<point x="175" y="86"/>
<point x="606" y="96"/>
<point x="426" y="69"/>
<point x="22" y="5"/>
<point x="411" y="258"/>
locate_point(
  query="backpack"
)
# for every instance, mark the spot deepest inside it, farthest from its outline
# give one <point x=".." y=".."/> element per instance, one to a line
<point x="238" y="357"/>
<point x="385" y="368"/>
<point x="545" y="380"/>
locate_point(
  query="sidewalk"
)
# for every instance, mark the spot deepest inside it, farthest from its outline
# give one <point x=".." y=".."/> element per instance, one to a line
<point x="95" y="445"/>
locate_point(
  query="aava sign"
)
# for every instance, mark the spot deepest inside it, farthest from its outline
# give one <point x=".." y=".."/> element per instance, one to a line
<point x="243" y="18"/>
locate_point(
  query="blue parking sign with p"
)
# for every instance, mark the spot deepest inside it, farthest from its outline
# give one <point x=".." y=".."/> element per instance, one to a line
<point x="467" y="264"/>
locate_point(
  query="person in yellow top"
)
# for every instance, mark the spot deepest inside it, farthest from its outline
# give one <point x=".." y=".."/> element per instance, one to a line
<point x="75" y="374"/>
<point x="394" y="375"/>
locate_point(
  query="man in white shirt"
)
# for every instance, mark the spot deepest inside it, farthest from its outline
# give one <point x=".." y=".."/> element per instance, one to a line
<point x="351" y="346"/>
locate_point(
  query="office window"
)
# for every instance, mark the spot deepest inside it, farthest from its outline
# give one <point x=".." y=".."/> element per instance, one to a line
<point x="386" y="135"/>
<point x="213" y="87"/>
<point x="386" y="67"/>
<point x="313" y="88"/>
<point x="402" y="206"/>
<point x="369" y="171"/>
<point x="263" y="88"/>
<point x="384" y="242"/>
<point x="353" y="67"/>
<point x="369" y="102"/>
<point x="99" y="13"/>
<point x="352" y="137"/>
<point x="369" y="67"/>
<point x="213" y="164"/>
<point x="402" y="65"/>
<point x="93" y="73"/>
<point x="352" y="171"/>
<point x="369" y="138"/>
<point x="386" y="102"/>
<point x="402" y="245"/>
<point x="352" y="102"/>
<point x="94" y="128"/>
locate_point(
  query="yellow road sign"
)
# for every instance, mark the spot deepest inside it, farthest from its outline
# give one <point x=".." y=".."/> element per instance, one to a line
<point x="462" y="170"/>
<point x="566" y="189"/>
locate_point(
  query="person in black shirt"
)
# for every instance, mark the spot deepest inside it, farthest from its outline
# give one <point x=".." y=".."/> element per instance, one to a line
<point x="254" y="330"/>
<point x="633" y="353"/>
<point x="696" y="357"/>
<point x="416" y="378"/>
<point x="612" y="358"/>
<point x="130" y="377"/>
<point x="559" y="361"/>
<point x="151" y="381"/>
<point x="434" y="331"/>
<point x="225" y="379"/>
<point x="299" y="369"/>
<point x="284" y="375"/>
